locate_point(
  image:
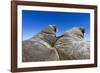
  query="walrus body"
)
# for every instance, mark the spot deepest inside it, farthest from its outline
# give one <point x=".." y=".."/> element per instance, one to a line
<point x="40" y="47"/>
<point x="71" y="45"/>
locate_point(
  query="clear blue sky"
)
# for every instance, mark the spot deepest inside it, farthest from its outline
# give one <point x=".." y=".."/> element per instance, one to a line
<point x="34" y="21"/>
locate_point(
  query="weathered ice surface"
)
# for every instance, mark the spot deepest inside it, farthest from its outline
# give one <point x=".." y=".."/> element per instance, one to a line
<point x="40" y="47"/>
<point x="71" y="45"/>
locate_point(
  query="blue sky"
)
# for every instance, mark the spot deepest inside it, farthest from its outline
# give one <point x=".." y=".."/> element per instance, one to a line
<point x="34" y="21"/>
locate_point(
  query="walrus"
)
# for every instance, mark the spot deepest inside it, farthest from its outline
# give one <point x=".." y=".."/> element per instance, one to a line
<point x="71" y="45"/>
<point x="40" y="46"/>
